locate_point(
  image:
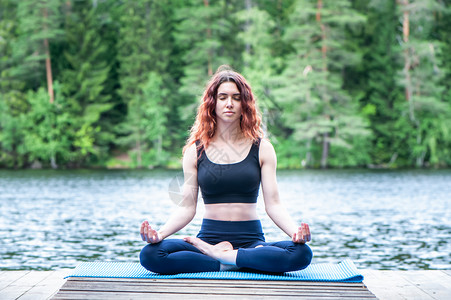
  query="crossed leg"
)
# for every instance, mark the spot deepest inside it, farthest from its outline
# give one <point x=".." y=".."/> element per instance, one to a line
<point x="194" y="255"/>
<point x="222" y="252"/>
<point x="276" y="257"/>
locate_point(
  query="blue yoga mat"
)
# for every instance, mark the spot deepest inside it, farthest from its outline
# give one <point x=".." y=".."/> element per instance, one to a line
<point x="345" y="271"/>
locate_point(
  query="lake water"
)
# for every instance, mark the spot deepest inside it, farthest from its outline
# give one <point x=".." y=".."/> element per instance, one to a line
<point x="394" y="220"/>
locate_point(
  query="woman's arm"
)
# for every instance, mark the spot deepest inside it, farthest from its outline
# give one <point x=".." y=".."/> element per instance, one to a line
<point x="186" y="209"/>
<point x="273" y="206"/>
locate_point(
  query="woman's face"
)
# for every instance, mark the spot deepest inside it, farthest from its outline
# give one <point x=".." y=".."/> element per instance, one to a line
<point x="228" y="102"/>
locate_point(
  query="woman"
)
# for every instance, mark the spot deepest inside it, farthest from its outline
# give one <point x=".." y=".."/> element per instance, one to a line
<point x="228" y="159"/>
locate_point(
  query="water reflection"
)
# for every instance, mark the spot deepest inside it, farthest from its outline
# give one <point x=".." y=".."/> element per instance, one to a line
<point x="380" y="219"/>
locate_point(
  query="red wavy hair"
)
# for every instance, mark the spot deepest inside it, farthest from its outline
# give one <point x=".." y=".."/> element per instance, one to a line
<point x="204" y="127"/>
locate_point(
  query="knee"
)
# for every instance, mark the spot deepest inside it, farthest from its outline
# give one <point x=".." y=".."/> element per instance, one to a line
<point x="150" y="257"/>
<point x="302" y="257"/>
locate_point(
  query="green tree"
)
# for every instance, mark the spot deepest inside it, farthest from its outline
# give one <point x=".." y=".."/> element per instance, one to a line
<point x="11" y="134"/>
<point x="259" y="64"/>
<point x="425" y="115"/>
<point x="441" y="32"/>
<point x="207" y="35"/>
<point x="316" y="108"/>
<point x="85" y="77"/>
<point x="12" y="99"/>
<point x="146" y="123"/>
<point x="48" y="130"/>
<point x="143" y="53"/>
<point x="8" y="34"/>
<point x="374" y="80"/>
<point x="39" y="25"/>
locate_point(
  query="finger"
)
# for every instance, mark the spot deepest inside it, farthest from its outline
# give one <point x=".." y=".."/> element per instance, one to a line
<point x="141" y="231"/>
<point x="144" y="229"/>
<point x="149" y="233"/>
<point x="304" y="229"/>
<point x="307" y="230"/>
<point x="153" y="234"/>
<point x="301" y="238"/>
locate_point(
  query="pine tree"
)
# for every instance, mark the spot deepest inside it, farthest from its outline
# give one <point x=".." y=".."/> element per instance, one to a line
<point x="39" y="25"/>
<point x="146" y="123"/>
<point x="377" y="80"/>
<point x="207" y="35"/>
<point x="85" y="75"/>
<point x="441" y="149"/>
<point x="317" y="108"/>
<point x="49" y="130"/>
<point x="425" y="116"/>
<point x="10" y="94"/>
<point x="143" y="53"/>
<point x="259" y="64"/>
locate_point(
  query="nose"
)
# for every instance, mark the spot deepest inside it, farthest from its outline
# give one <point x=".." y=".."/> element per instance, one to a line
<point x="229" y="102"/>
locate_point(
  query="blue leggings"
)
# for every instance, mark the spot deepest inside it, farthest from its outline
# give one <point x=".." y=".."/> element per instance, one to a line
<point x="174" y="256"/>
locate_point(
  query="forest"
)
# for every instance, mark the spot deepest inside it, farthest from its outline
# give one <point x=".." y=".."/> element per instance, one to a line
<point x="116" y="83"/>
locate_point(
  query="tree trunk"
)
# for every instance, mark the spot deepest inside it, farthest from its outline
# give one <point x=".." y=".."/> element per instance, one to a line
<point x="325" y="153"/>
<point x="53" y="161"/>
<point x="308" y="155"/>
<point x="48" y="65"/>
<point x="326" y="145"/>
<point x="408" y="85"/>
<point x="407" y="63"/>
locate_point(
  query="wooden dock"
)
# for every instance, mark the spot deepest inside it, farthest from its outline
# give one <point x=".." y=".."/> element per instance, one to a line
<point x="381" y="284"/>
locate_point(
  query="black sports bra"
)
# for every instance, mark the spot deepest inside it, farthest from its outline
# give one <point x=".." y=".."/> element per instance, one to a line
<point x="229" y="183"/>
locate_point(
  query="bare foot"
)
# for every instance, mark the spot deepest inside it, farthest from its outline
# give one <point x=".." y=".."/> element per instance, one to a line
<point x="223" y="252"/>
<point x="228" y="268"/>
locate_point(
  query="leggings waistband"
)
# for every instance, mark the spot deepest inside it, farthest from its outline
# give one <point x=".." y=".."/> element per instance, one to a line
<point x="231" y="227"/>
<point x="238" y="233"/>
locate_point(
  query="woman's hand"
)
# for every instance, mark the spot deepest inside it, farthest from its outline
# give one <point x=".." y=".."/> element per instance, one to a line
<point x="302" y="236"/>
<point x="150" y="235"/>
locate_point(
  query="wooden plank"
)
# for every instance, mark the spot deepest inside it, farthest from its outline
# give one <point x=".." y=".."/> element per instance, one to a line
<point x="249" y="290"/>
<point x="156" y="287"/>
<point x="107" y="295"/>
<point x="447" y="272"/>
<point x="221" y="291"/>
<point x="390" y="285"/>
<point x="207" y="288"/>
<point x="434" y="283"/>
<point x="7" y="278"/>
<point x="46" y="288"/>
<point x="200" y="282"/>
<point x="20" y="286"/>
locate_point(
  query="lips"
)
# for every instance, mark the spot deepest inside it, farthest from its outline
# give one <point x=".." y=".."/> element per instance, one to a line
<point x="229" y="112"/>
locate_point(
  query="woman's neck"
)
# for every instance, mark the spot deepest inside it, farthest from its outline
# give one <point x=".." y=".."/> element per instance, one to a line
<point x="229" y="133"/>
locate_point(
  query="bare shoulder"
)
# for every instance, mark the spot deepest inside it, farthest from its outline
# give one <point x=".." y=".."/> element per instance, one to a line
<point x="267" y="153"/>
<point x="190" y="157"/>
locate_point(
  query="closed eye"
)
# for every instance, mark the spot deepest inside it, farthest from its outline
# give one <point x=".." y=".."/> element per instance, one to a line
<point x="236" y="97"/>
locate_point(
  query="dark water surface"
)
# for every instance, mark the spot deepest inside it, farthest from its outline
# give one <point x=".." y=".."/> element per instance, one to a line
<point x="396" y="220"/>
